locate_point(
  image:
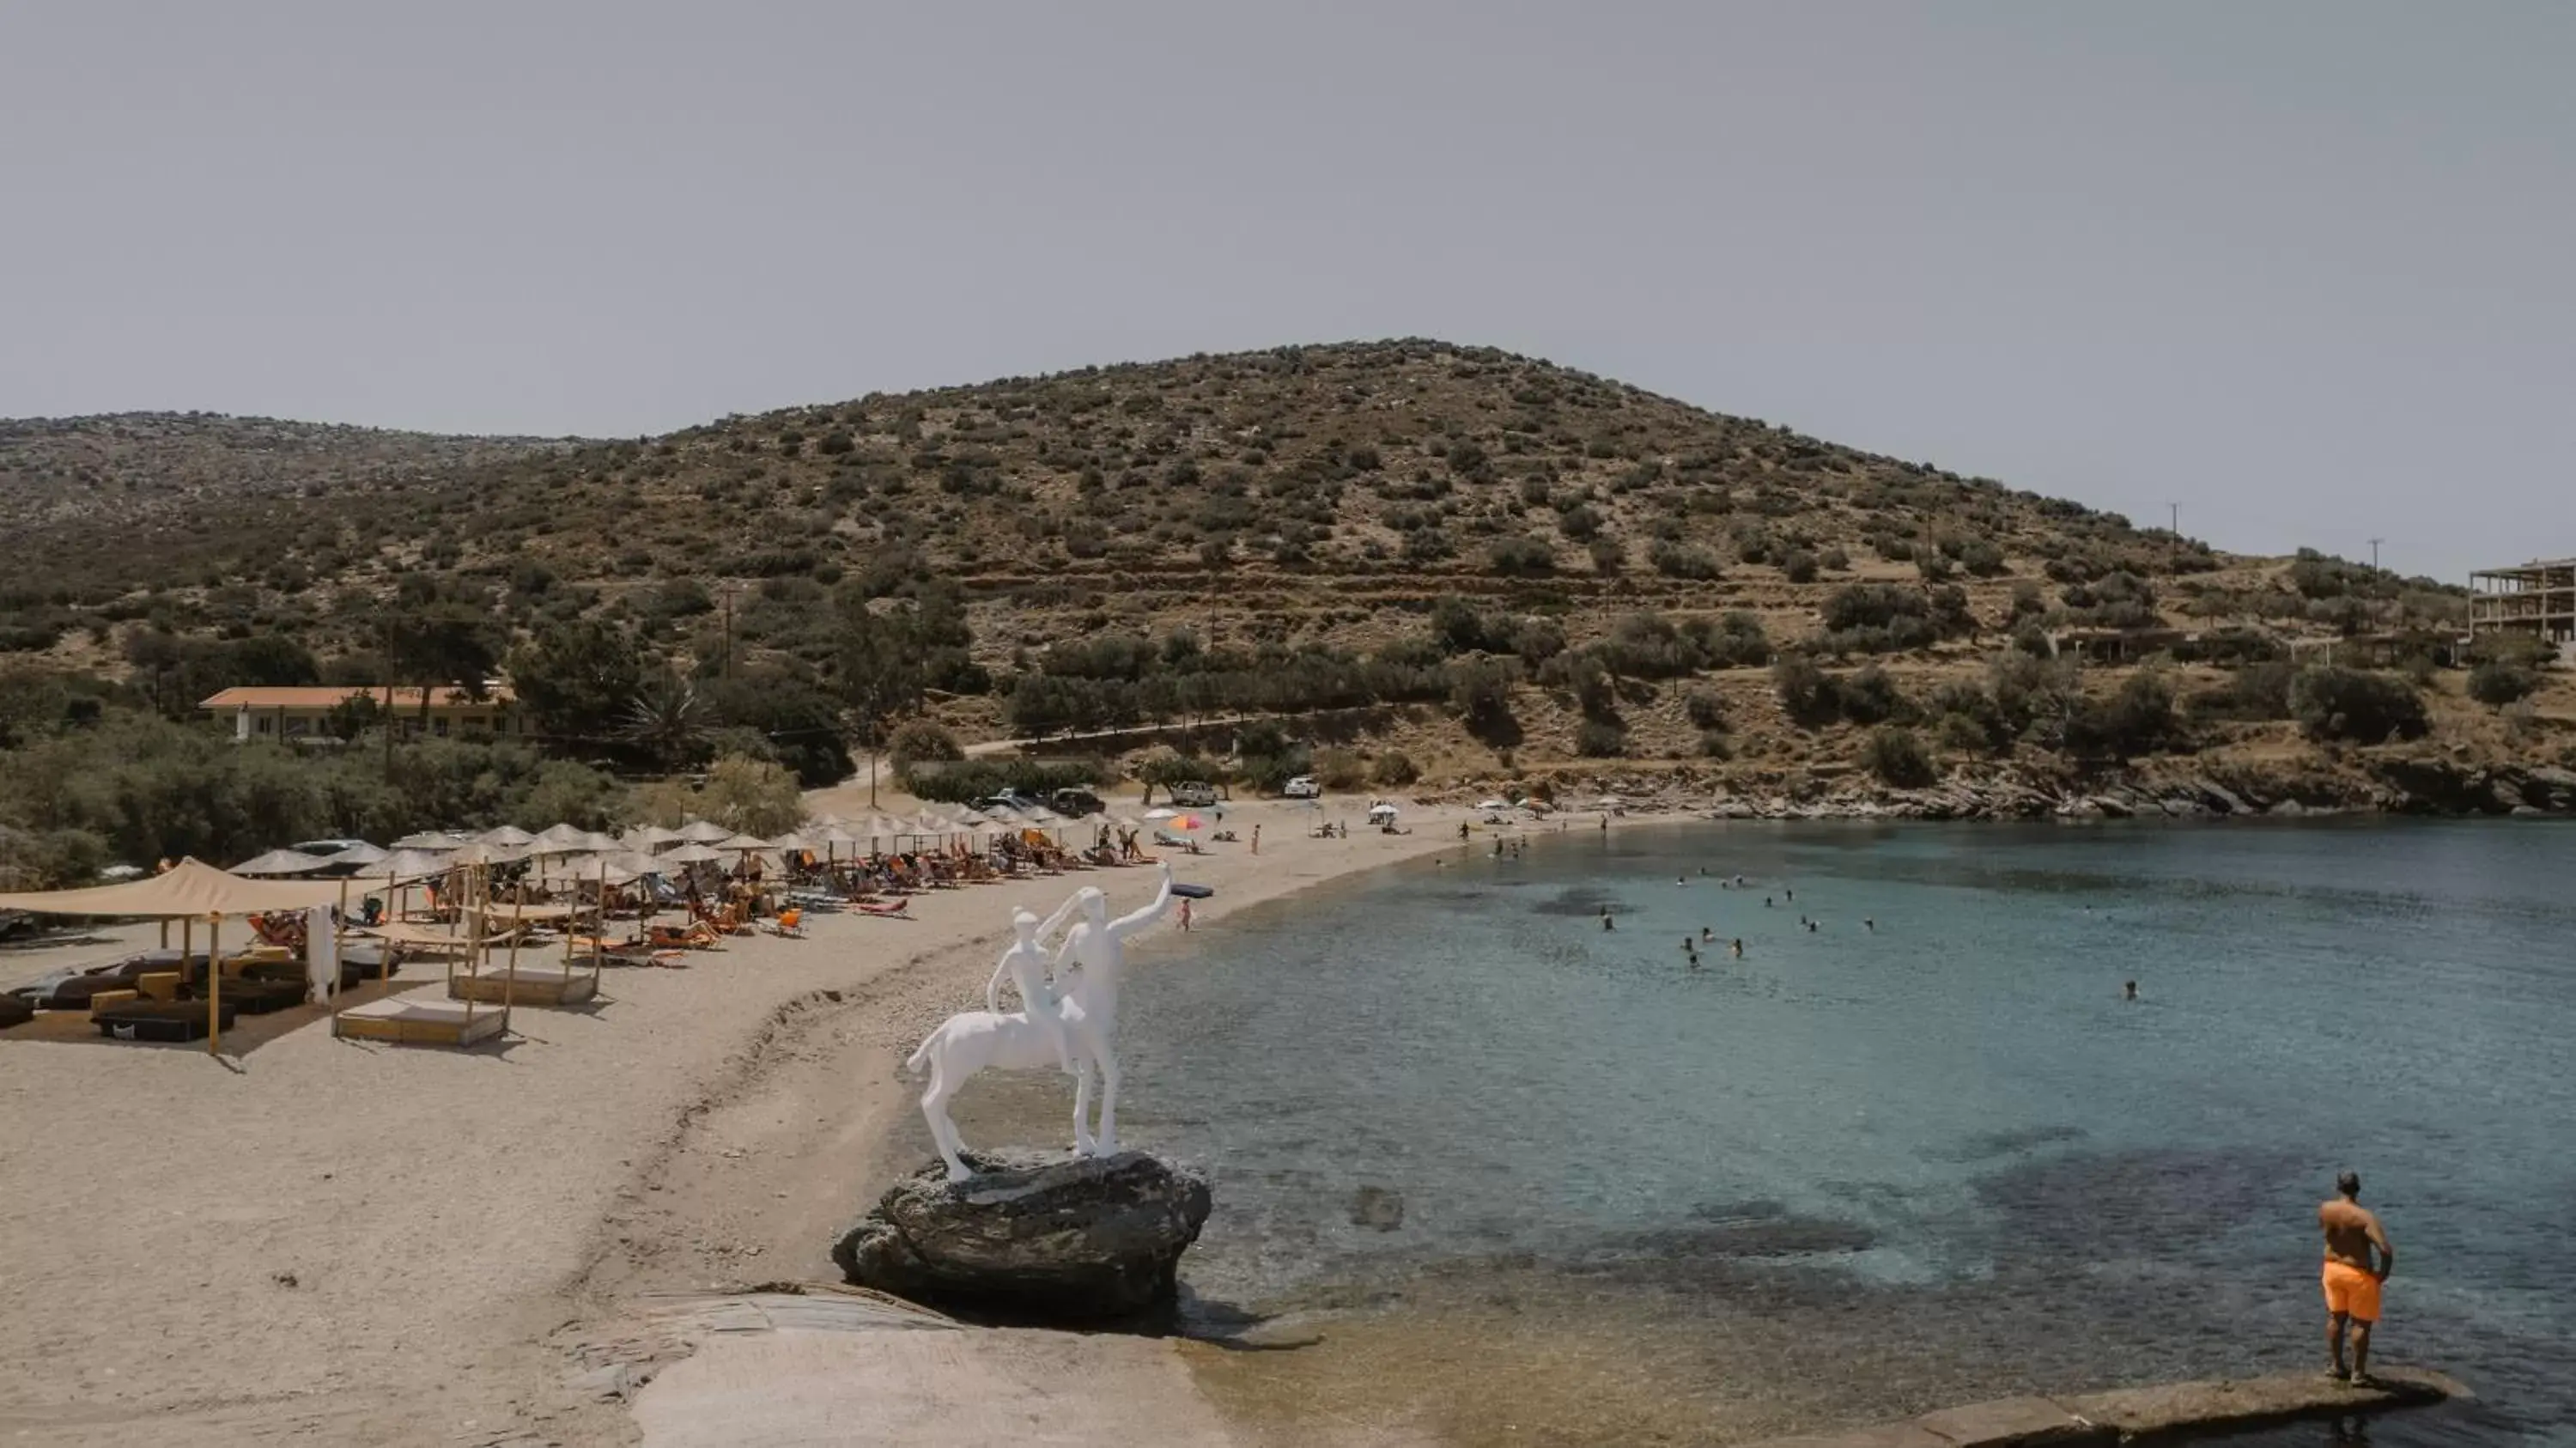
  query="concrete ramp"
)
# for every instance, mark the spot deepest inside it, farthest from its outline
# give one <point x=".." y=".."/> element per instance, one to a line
<point x="840" y="1366"/>
<point x="2130" y="1414"/>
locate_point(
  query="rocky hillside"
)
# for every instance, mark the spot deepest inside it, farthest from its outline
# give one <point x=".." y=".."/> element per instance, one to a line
<point x="1281" y="506"/>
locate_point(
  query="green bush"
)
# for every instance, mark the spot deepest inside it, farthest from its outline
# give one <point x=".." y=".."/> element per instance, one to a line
<point x="1395" y="767"/>
<point x="2348" y="704"/>
<point x="1898" y="758"/>
<point x="1600" y="739"/>
<point x="1705" y="708"/>
<point x="2499" y="683"/>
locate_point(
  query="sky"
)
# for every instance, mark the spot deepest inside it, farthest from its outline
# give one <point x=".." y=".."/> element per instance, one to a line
<point x="2305" y="268"/>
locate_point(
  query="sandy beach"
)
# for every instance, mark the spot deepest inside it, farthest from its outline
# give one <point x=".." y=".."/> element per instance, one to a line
<point x="333" y="1241"/>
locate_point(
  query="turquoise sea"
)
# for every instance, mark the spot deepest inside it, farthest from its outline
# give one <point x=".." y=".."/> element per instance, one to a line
<point x="1482" y="1159"/>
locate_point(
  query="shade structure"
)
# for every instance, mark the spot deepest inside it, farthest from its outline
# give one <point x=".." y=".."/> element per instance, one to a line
<point x="881" y="827"/>
<point x="404" y="865"/>
<point x="559" y="840"/>
<point x="835" y="833"/>
<point x="429" y="840"/>
<point x="283" y="862"/>
<point x="794" y="842"/>
<point x="594" y="842"/>
<point x="1160" y="813"/>
<point x="1042" y="816"/>
<point x="704" y="832"/>
<point x="651" y="837"/>
<point x="510" y="836"/>
<point x="1187" y="822"/>
<point x="358" y="852"/>
<point x="484" y="852"/>
<point x="187" y="890"/>
<point x="691" y="854"/>
<point x="970" y="819"/>
<point x="1382" y="811"/>
<point x="1495" y="804"/>
<point x="741" y="842"/>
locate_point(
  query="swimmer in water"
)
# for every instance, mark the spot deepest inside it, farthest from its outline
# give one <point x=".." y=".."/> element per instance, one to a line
<point x="1870" y="920"/>
<point x="2130" y="992"/>
<point x="1789" y="894"/>
<point x="1607" y="923"/>
<point x="1766" y="902"/>
<point x="1738" y="947"/>
<point x="1707" y="934"/>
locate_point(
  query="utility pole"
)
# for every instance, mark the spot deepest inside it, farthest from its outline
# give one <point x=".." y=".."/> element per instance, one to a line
<point x="728" y="633"/>
<point x="2374" y="553"/>
<point x="2173" y="519"/>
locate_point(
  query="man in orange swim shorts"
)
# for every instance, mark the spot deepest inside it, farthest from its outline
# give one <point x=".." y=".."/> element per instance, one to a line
<point x="2352" y="1283"/>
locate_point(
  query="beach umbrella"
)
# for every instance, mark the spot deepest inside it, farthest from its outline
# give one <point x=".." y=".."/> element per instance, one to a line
<point x="560" y="839"/>
<point x="1382" y="811"/>
<point x="1188" y="822"/>
<point x="793" y="841"/>
<point x="704" y="832"/>
<point x="1607" y="801"/>
<point x="1041" y="815"/>
<point x="358" y="852"/>
<point x="835" y="833"/>
<point x="439" y="840"/>
<point x="484" y="852"/>
<point x="404" y="865"/>
<point x="651" y="837"/>
<point x="1495" y="804"/>
<point x="741" y="842"/>
<point x="691" y="854"/>
<point x="509" y="837"/>
<point x="281" y="862"/>
<point x="1160" y="813"/>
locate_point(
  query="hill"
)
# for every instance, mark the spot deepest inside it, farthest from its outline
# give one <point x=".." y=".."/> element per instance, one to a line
<point x="1511" y="563"/>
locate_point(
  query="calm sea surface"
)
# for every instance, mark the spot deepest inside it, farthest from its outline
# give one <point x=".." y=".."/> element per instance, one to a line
<point x="1507" y="1176"/>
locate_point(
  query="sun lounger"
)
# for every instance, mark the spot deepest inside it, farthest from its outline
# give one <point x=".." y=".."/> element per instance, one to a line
<point x="142" y="1020"/>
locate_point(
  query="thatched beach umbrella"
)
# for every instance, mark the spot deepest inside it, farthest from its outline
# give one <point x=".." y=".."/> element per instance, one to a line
<point x="281" y="862"/>
<point x="430" y="840"/>
<point x="704" y="832"/>
<point x="506" y="836"/>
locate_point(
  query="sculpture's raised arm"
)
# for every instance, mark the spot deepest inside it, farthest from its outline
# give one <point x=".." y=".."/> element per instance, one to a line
<point x="1126" y="925"/>
<point x="1055" y="922"/>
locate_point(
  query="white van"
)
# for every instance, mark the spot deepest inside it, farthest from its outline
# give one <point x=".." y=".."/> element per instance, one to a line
<point x="1193" y="794"/>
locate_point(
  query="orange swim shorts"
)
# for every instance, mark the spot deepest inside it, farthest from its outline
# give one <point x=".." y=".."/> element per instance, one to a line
<point x="2351" y="1291"/>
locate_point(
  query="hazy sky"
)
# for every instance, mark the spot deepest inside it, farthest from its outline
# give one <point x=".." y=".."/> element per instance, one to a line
<point x="2307" y="268"/>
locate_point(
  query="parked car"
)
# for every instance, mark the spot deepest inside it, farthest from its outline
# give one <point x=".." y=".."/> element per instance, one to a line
<point x="1075" y="803"/>
<point x="1303" y="787"/>
<point x="1014" y="799"/>
<point x="1193" y="794"/>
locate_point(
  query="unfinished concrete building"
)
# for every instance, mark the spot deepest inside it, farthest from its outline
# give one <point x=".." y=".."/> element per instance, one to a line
<point x="2538" y="599"/>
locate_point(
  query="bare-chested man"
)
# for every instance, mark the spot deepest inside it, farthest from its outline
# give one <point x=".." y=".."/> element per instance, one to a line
<point x="2351" y="1281"/>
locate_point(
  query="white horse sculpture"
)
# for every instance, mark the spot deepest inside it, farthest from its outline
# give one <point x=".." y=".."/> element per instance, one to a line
<point x="1074" y="1029"/>
<point x="1088" y="989"/>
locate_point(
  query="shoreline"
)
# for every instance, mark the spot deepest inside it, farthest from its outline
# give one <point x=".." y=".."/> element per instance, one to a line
<point x="358" y="1242"/>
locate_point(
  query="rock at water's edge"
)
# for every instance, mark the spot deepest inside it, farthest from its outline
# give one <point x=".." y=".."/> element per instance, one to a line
<point x="1032" y="1238"/>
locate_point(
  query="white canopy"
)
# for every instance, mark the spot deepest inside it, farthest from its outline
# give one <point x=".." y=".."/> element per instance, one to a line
<point x="507" y="836"/>
<point x="429" y="840"/>
<point x="742" y="842"/>
<point x="187" y="889"/>
<point x="1495" y="804"/>
<point x="691" y="854"/>
<point x="1160" y="812"/>
<point x="359" y="852"/>
<point x="704" y="832"/>
<point x="1382" y="810"/>
<point x="281" y="862"/>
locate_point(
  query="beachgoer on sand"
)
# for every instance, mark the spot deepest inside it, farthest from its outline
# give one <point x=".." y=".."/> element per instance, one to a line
<point x="1185" y="914"/>
<point x="2352" y="1283"/>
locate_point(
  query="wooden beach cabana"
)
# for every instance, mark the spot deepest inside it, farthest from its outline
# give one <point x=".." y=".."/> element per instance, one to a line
<point x="188" y="891"/>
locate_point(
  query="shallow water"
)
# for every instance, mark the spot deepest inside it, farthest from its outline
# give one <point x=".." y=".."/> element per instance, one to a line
<point x="1867" y="1172"/>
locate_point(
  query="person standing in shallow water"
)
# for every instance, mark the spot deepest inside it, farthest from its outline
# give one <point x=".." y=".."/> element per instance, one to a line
<point x="2352" y="1283"/>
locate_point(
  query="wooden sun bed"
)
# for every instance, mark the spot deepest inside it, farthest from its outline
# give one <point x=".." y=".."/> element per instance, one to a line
<point x="537" y="985"/>
<point x="410" y="1021"/>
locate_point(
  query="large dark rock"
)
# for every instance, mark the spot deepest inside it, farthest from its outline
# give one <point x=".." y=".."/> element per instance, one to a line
<point x="1032" y="1238"/>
